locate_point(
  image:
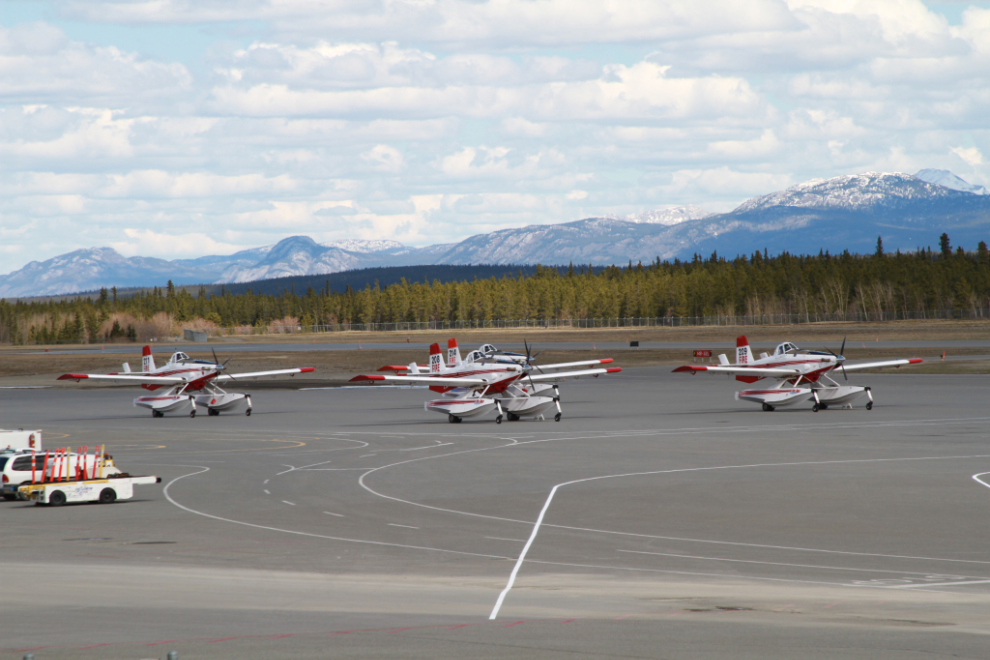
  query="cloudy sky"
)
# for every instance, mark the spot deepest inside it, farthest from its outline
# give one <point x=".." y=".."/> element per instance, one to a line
<point x="177" y="128"/>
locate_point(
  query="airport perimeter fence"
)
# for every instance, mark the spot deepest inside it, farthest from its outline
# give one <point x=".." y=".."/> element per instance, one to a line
<point x="628" y="322"/>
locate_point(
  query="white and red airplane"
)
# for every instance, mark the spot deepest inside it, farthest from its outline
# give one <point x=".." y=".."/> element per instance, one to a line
<point x="482" y="383"/>
<point x="185" y="381"/>
<point x="800" y="375"/>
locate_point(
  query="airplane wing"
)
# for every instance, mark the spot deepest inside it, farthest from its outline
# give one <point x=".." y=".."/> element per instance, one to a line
<point x="125" y="378"/>
<point x="877" y="365"/>
<point x="740" y="371"/>
<point x="568" y="365"/>
<point x="262" y="374"/>
<point x="427" y="380"/>
<point x="569" y="374"/>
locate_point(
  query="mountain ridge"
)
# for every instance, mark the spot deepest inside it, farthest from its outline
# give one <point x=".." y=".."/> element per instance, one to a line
<point x="847" y="212"/>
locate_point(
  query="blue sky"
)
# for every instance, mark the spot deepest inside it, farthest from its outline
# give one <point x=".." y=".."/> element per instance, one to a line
<point x="177" y="128"/>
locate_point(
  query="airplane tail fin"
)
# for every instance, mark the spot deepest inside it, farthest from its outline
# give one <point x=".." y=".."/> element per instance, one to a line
<point x="436" y="359"/>
<point x="453" y="354"/>
<point x="744" y="355"/>
<point x="147" y="360"/>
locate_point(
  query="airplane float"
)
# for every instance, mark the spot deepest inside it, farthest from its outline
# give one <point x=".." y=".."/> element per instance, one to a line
<point x="186" y="382"/>
<point x="487" y="381"/>
<point x="800" y="375"/>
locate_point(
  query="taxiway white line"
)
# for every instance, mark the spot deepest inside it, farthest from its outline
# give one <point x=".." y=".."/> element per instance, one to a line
<point x="366" y="456"/>
<point x="539" y="520"/>
<point x="500" y="538"/>
<point x="522" y="555"/>
<point x="331" y="513"/>
<point x="267" y="480"/>
<point x="267" y="492"/>
<point x="976" y="478"/>
<point x="406" y="526"/>
<point x="288" y="502"/>
<point x="204" y="469"/>
<point x="429" y="447"/>
<point x="938" y="584"/>
<point x="777" y="563"/>
<point x="301" y="467"/>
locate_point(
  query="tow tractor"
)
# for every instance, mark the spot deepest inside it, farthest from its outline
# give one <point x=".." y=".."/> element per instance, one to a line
<point x="66" y="477"/>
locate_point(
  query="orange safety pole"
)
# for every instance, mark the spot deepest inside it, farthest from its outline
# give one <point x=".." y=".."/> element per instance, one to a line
<point x="85" y="470"/>
<point x="44" y="468"/>
<point x="32" y="466"/>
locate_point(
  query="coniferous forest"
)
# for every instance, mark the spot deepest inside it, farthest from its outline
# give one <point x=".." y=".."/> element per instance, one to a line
<point x="754" y="285"/>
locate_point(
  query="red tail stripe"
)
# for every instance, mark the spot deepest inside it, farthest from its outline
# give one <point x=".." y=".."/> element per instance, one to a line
<point x="741" y="341"/>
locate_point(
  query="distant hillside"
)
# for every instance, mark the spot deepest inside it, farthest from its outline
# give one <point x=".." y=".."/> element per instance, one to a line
<point x="358" y="279"/>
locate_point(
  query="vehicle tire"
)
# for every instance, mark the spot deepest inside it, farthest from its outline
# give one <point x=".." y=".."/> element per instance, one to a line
<point x="556" y="417"/>
<point x="498" y="420"/>
<point x="108" y="496"/>
<point x="10" y="497"/>
<point x="814" y="408"/>
<point x="869" y="406"/>
<point x="767" y="407"/>
<point x="57" y="498"/>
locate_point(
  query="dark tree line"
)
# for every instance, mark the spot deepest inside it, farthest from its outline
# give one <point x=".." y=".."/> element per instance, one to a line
<point x="747" y="285"/>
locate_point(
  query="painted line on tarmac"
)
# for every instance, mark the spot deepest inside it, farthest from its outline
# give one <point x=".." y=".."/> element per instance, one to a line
<point x="553" y="491"/>
<point x="204" y="469"/>
<point x="398" y="525"/>
<point x="331" y="513"/>
<point x="976" y="478"/>
<point x="938" y="584"/>
<point x="775" y="563"/>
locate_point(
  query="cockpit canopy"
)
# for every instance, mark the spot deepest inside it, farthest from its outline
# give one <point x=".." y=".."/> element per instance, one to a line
<point x="474" y="357"/>
<point x="179" y="357"/>
<point x="785" y="348"/>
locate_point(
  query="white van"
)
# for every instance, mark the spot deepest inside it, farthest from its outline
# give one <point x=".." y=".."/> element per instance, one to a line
<point x="15" y="469"/>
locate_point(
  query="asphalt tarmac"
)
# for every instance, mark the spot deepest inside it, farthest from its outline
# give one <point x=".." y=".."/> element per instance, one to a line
<point x="659" y="519"/>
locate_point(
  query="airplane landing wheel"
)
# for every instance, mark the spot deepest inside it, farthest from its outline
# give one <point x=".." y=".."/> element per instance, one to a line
<point x="498" y="420"/>
<point x="823" y="406"/>
<point x="556" y="417"/>
<point x="212" y="413"/>
<point x="869" y="406"/>
<point x="192" y="413"/>
<point x="814" y="408"/>
<point x="248" y="412"/>
<point x="513" y="417"/>
<point x="451" y="419"/>
<point x="157" y="413"/>
<point x="767" y="407"/>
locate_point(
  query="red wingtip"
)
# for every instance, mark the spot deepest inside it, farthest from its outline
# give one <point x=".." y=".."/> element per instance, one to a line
<point x="915" y="360"/>
<point x="72" y="377"/>
<point x="358" y="379"/>
<point x="741" y="341"/>
<point x="146" y="350"/>
<point x="688" y="369"/>
<point x="434" y="349"/>
<point x="393" y="367"/>
<point x="613" y="370"/>
<point x="606" y="361"/>
<point x="306" y="370"/>
<point x="451" y="343"/>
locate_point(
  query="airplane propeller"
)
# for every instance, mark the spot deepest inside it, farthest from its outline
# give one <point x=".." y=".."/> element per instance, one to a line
<point x="221" y="367"/>
<point x="840" y="358"/>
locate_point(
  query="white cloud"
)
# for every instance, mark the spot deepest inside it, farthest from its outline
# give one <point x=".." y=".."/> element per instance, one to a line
<point x="384" y="158"/>
<point x="970" y="156"/>
<point x="430" y="121"/>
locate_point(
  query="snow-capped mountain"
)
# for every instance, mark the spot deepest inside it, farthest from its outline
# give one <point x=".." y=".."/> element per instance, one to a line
<point x="947" y="179"/>
<point x="855" y="191"/>
<point x="842" y="213"/>
<point x="671" y="216"/>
